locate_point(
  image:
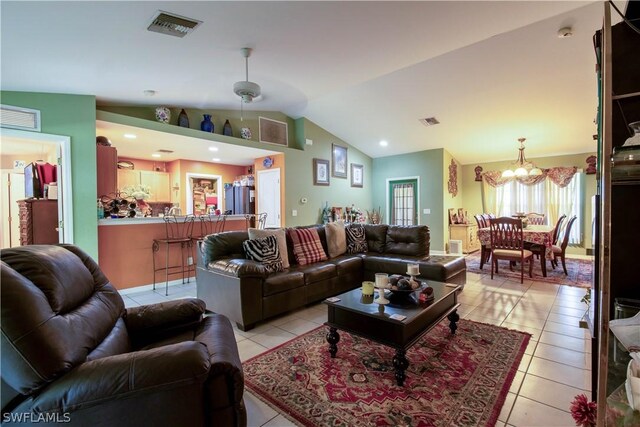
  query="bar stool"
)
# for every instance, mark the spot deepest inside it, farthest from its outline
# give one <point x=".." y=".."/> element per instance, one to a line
<point x="179" y="231"/>
<point x="256" y="220"/>
<point x="210" y="224"/>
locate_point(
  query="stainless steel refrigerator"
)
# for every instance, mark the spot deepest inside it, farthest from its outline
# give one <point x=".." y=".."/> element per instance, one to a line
<point x="240" y="200"/>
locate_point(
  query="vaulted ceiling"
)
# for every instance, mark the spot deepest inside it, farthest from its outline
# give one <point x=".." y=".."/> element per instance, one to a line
<point x="490" y="72"/>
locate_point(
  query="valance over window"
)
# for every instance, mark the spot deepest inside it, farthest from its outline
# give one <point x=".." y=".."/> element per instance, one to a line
<point x="561" y="176"/>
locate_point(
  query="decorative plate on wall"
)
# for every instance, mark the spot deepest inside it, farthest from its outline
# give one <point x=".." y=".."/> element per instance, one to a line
<point x="267" y="162"/>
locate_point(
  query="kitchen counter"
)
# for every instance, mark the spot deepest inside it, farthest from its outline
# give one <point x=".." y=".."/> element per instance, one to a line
<point x="154" y="220"/>
<point x="125" y="249"/>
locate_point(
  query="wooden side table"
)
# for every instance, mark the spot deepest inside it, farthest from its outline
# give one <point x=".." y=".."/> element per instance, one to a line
<point x="468" y="233"/>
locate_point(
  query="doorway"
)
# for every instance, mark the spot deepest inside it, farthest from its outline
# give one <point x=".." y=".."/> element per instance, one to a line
<point x="402" y="202"/>
<point x="269" y="196"/>
<point x="20" y="148"/>
<point x="203" y="191"/>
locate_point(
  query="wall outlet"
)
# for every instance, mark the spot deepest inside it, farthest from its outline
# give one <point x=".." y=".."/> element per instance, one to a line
<point x="309" y="141"/>
<point x="294" y="212"/>
<point x="426" y="211"/>
<point x="190" y="260"/>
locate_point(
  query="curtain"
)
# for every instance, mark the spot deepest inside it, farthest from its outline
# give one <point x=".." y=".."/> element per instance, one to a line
<point x="558" y="192"/>
<point x="403" y="209"/>
<point x="566" y="200"/>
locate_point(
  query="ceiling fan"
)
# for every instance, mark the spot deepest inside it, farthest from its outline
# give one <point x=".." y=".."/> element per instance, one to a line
<point x="246" y="90"/>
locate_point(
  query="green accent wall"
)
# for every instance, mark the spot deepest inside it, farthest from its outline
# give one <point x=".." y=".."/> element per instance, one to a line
<point x="473" y="189"/>
<point x="299" y="177"/>
<point x="73" y="116"/>
<point x="218" y="117"/>
<point x="428" y="166"/>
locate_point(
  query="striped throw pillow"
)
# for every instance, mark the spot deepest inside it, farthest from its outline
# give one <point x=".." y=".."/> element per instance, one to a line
<point x="307" y="247"/>
<point x="265" y="251"/>
<point x="356" y="239"/>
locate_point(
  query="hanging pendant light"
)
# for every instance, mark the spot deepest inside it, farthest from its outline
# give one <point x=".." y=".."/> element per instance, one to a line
<point x="522" y="166"/>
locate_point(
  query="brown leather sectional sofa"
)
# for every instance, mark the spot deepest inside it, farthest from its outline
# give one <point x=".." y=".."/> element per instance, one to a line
<point x="242" y="290"/>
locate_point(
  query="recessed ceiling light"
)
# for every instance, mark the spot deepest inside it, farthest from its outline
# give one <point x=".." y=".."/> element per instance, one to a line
<point x="156" y="155"/>
<point x="213" y="148"/>
<point x="130" y="136"/>
<point x="383" y="143"/>
<point x="215" y="159"/>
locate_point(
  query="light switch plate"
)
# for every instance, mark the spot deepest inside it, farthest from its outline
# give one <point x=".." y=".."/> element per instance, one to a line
<point x="426" y="211"/>
<point x="294" y="212"/>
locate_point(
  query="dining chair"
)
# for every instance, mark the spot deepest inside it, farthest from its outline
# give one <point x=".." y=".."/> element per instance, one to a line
<point x="487" y="218"/>
<point x="507" y="243"/>
<point x="536" y="218"/>
<point x="559" y="251"/>
<point x="485" y="250"/>
<point x="556" y="230"/>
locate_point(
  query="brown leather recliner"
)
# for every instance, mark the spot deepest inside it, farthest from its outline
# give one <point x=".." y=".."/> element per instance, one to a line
<point x="71" y="352"/>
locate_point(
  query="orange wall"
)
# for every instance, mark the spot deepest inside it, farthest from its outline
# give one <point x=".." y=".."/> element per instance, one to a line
<point x="278" y="163"/>
<point x="228" y="173"/>
<point x="125" y="252"/>
<point x="178" y="170"/>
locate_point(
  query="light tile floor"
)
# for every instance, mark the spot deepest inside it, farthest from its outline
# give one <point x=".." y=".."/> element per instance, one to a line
<point x="556" y="365"/>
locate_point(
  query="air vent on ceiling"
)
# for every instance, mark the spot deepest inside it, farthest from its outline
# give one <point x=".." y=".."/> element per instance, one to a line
<point x="19" y="118"/>
<point x="172" y="25"/>
<point x="165" y="151"/>
<point x="429" y="121"/>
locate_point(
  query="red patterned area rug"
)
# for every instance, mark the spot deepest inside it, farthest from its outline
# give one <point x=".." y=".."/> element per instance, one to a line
<point x="580" y="271"/>
<point x="452" y="380"/>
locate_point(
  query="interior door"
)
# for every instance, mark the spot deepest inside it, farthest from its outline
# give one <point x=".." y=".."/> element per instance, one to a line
<point x="269" y="196"/>
<point x="14" y="183"/>
<point x="403" y="202"/>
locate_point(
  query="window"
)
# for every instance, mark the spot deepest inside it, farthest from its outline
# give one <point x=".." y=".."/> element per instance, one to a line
<point x="403" y="200"/>
<point x="545" y="197"/>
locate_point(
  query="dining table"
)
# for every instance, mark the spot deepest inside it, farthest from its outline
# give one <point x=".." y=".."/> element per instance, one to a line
<point x="537" y="234"/>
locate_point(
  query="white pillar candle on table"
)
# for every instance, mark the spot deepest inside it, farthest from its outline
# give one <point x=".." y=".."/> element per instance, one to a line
<point x="413" y="269"/>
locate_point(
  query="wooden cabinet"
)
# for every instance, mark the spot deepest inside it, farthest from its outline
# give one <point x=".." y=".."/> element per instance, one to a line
<point x="128" y="177"/>
<point x="107" y="169"/>
<point x="618" y="232"/>
<point x="158" y="183"/>
<point x="468" y="233"/>
<point x="38" y="222"/>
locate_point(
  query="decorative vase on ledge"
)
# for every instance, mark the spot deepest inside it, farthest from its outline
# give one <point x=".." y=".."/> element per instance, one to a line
<point x="207" y="125"/>
<point x="183" y="119"/>
<point x="226" y="129"/>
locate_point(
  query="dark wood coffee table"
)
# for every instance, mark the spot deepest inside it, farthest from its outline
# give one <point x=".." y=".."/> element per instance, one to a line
<point x="359" y="315"/>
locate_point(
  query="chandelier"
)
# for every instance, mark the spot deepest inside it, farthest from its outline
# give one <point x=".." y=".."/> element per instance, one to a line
<point x="522" y="166"/>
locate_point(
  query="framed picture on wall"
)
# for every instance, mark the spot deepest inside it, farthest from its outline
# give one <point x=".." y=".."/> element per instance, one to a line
<point x="338" y="161"/>
<point x="320" y="172"/>
<point x="357" y="175"/>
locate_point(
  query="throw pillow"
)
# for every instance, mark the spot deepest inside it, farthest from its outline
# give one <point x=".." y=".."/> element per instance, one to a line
<point x="356" y="239"/>
<point x="281" y="237"/>
<point x="336" y="238"/>
<point x="307" y="247"/>
<point x="265" y="251"/>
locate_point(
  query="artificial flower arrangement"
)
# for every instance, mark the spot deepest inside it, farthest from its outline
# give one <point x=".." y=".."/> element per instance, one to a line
<point x="583" y="411"/>
<point x="138" y="191"/>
